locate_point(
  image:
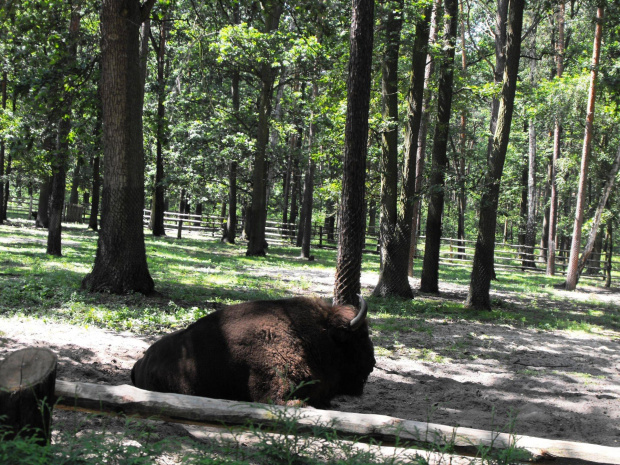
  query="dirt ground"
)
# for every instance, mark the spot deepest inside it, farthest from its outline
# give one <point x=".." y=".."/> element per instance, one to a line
<point x="550" y="384"/>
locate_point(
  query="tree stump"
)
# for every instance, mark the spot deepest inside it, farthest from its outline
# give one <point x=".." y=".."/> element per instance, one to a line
<point x="27" y="384"/>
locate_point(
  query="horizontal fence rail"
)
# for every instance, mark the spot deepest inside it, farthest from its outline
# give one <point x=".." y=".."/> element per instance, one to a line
<point x="453" y="252"/>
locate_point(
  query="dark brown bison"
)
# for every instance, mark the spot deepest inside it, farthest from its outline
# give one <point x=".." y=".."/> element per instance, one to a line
<point x="262" y="351"/>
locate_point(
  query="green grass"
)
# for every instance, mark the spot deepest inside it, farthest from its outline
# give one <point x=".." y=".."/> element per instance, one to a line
<point x="195" y="275"/>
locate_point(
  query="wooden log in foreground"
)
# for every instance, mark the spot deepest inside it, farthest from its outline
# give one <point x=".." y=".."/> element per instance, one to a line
<point x="27" y="379"/>
<point x="177" y="407"/>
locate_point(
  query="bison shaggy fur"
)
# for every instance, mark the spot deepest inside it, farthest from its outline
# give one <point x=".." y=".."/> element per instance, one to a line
<point x="263" y="351"/>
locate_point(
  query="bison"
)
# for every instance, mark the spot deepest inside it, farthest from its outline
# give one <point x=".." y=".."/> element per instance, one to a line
<point x="261" y="351"/>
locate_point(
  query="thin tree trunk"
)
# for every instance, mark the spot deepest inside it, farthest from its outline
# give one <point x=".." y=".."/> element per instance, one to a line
<point x="609" y="184"/>
<point x="529" y="242"/>
<point x="231" y="228"/>
<point x="59" y="163"/>
<point x="430" y="269"/>
<point x="352" y="223"/>
<point x="421" y="145"/>
<point x="557" y="141"/>
<point x="3" y="85"/>
<point x="256" y="240"/>
<point x="483" y="269"/>
<point x="309" y="183"/>
<point x="157" y="209"/>
<point x="42" y="220"/>
<point x="460" y="167"/>
<point x="572" y="274"/>
<point x="609" y="247"/>
<point x="390" y="280"/>
<point x="75" y="182"/>
<point x="94" y="206"/>
<point x="120" y="263"/>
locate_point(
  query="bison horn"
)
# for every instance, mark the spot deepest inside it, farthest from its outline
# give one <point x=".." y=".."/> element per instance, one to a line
<point x="361" y="315"/>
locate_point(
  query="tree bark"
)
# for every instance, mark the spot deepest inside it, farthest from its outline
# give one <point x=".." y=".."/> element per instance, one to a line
<point x="309" y="183"/>
<point x="391" y="282"/>
<point x="27" y="386"/>
<point x="351" y="243"/>
<point x="483" y="269"/>
<point x="430" y="269"/>
<point x="557" y="141"/>
<point x="3" y="85"/>
<point x="609" y="247"/>
<point x="61" y="156"/>
<point x="120" y="263"/>
<point x="256" y="240"/>
<point x="421" y="145"/>
<point x="529" y="260"/>
<point x="572" y="274"/>
<point x="231" y="227"/>
<point x="609" y="184"/>
<point x="157" y="210"/>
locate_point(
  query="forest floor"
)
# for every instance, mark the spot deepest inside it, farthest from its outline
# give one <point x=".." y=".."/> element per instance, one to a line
<point x="546" y="383"/>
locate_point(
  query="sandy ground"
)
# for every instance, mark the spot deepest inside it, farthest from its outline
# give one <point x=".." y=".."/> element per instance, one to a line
<point x="550" y="384"/>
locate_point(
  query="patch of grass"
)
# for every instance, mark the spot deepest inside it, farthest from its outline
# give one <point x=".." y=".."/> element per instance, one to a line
<point x="199" y="274"/>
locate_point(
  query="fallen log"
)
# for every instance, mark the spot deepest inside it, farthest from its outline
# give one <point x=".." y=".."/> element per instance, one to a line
<point x="182" y="408"/>
<point x="27" y="378"/>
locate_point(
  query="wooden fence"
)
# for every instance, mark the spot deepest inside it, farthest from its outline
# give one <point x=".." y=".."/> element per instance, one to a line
<point x="453" y="252"/>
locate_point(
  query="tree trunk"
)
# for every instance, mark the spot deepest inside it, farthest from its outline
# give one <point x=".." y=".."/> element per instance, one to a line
<point x="609" y="184"/>
<point x="483" y="269"/>
<point x="572" y="274"/>
<point x="157" y="209"/>
<point x="231" y="228"/>
<point x="309" y="183"/>
<point x="182" y="203"/>
<point x="3" y="98"/>
<point x="75" y="182"/>
<point x="421" y="145"/>
<point x="352" y="223"/>
<point x="557" y="141"/>
<point x="391" y="281"/>
<point x="430" y="269"/>
<point x="460" y="164"/>
<point x="256" y="240"/>
<point x="94" y="206"/>
<point x="120" y="263"/>
<point x="609" y="247"/>
<point x="59" y="161"/>
<point x="42" y="220"/>
<point x="27" y="385"/>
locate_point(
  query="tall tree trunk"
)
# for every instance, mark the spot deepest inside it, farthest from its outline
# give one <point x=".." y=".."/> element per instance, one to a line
<point x="309" y="183"/>
<point x="430" y="269"/>
<point x="59" y="163"/>
<point x="389" y="280"/>
<point x="557" y="141"/>
<point x="256" y="240"/>
<point x="43" y="206"/>
<point x="93" y="222"/>
<point x="405" y="219"/>
<point x="609" y="184"/>
<point x="94" y="206"/>
<point x="483" y="269"/>
<point x="157" y="209"/>
<point x="460" y="165"/>
<point x="294" y="197"/>
<point x="572" y="275"/>
<point x="529" y="260"/>
<point x="352" y="223"/>
<point x="75" y="182"/>
<point x="120" y="263"/>
<point x="421" y="145"/>
<point x="609" y="247"/>
<point x="3" y="85"/>
<point x="231" y="228"/>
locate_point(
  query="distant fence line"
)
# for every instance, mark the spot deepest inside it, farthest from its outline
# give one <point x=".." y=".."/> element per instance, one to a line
<point x="454" y="252"/>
